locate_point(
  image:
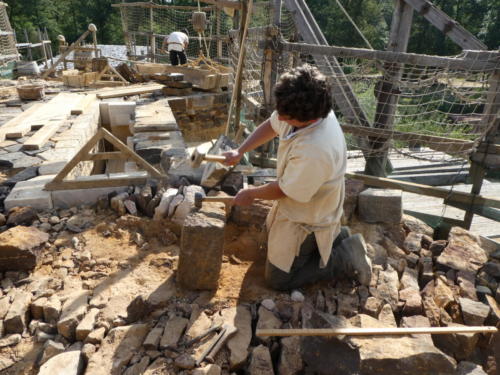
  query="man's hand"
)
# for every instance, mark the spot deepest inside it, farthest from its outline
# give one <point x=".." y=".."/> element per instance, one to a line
<point x="233" y="157"/>
<point x="244" y="197"/>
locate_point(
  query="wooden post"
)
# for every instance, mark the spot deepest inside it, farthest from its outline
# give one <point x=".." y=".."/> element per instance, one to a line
<point x="46" y="37"/>
<point x="42" y="46"/>
<point x="30" y="56"/>
<point x="236" y="95"/>
<point x="152" y="37"/>
<point x="94" y="40"/>
<point x="386" y="90"/>
<point x="218" y="21"/>
<point x="491" y="121"/>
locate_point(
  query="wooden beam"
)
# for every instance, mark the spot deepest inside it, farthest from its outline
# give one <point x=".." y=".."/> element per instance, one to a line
<point x="447" y="25"/>
<point x="486" y="61"/>
<point x="113" y="155"/>
<point x="437" y="143"/>
<point x="142" y="4"/>
<point x="451" y="196"/>
<point x="387" y="99"/>
<point x="397" y="331"/>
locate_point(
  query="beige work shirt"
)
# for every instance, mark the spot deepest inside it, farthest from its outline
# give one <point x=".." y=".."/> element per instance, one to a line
<point x="310" y="169"/>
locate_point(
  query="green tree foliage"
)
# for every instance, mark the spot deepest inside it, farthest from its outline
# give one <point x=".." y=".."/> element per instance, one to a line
<point x="71" y="17"/>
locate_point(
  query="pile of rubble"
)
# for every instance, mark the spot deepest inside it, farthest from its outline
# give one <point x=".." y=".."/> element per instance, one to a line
<point x="69" y="305"/>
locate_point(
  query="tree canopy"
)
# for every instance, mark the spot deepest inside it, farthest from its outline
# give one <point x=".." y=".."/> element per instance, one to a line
<point x="373" y="17"/>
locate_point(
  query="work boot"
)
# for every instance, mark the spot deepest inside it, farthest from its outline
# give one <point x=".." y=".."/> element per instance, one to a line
<point x="345" y="232"/>
<point x="351" y="260"/>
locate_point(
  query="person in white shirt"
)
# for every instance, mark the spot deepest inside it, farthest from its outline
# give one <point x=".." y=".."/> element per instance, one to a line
<point x="305" y="240"/>
<point x="176" y="43"/>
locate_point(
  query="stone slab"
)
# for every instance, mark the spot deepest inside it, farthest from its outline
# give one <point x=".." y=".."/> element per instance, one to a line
<point x="30" y="193"/>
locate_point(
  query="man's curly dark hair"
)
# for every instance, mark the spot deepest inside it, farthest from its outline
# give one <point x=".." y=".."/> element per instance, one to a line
<point x="303" y="94"/>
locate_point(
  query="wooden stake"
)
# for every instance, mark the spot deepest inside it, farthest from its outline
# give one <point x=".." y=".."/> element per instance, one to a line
<point x="374" y="331"/>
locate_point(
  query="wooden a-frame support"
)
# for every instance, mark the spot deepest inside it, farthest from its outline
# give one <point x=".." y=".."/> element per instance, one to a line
<point x="124" y="153"/>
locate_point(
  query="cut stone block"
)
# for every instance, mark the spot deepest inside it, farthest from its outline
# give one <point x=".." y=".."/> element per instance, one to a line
<point x="78" y="197"/>
<point x="86" y="325"/>
<point x="16" y="160"/>
<point x="121" y="113"/>
<point x="380" y="206"/>
<point x="202" y="242"/>
<point x="30" y="193"/>
<point x="474" y="313"/>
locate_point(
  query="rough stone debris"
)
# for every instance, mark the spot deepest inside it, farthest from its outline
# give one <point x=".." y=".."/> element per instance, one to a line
<point x="20" y="248"/>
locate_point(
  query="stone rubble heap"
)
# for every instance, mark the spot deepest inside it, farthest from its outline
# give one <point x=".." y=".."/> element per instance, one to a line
<point x="81" y="327"/>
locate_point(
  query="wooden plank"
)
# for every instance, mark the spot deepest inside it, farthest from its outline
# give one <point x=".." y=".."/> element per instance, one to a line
<point x="142" y="4"/>
<point x="447" y="25"/>
<point x="488" y="61"/>
<point x="452" y="196"/>
<point x="129" y="91"/>
<point x="224" y="3"/>
<point x="83" y="104"/>
<point x="18" y="120"/>
<point x="41" y="137"/>
<point x="487" y="212"/>
<point x="57" y="108"/>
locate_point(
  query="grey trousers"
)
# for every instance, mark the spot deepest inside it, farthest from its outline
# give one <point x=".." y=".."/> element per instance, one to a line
<point x="305" y="268"/>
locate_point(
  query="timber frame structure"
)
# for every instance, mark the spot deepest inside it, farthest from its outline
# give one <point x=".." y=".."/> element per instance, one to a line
<point x="373" y="135"/>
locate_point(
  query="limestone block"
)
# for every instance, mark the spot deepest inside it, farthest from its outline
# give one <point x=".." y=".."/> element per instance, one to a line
<point x="20" y="248"/>
<point x="162" y="209"/>
<point x="51" y="349"/>
<point x="380" y="206"/>
<point x="67" y="363"/>
<point x="187" y="204"/>
<point x="30" y="193"/>
<point x="201" y="249"/>
<point x="78" y="197"/>
<point x="52" y="309"/>
<point x="121" y="113"/>
<point x="16" y="319"/>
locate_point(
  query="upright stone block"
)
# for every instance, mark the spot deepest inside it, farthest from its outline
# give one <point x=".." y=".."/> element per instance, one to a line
<point x="202" y="242"/>
<point x="380" y="206"/>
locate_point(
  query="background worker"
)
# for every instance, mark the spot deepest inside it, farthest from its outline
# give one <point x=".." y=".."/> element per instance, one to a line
<point x="176" y="43"/>
<point x="304" y="223"/>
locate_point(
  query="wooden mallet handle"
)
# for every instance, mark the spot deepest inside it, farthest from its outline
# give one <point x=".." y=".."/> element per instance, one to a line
<point x="218" y="158"/>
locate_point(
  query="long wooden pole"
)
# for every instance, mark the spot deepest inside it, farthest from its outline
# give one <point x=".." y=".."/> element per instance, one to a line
<point x="374" y="331"/>
<point x="239" y="69"/>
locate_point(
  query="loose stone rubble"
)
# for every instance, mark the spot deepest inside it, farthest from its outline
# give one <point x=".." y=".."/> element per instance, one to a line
<point x="67" y="306"/>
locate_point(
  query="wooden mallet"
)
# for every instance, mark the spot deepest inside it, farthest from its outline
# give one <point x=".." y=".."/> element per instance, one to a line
<point x="197" y="157"/>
